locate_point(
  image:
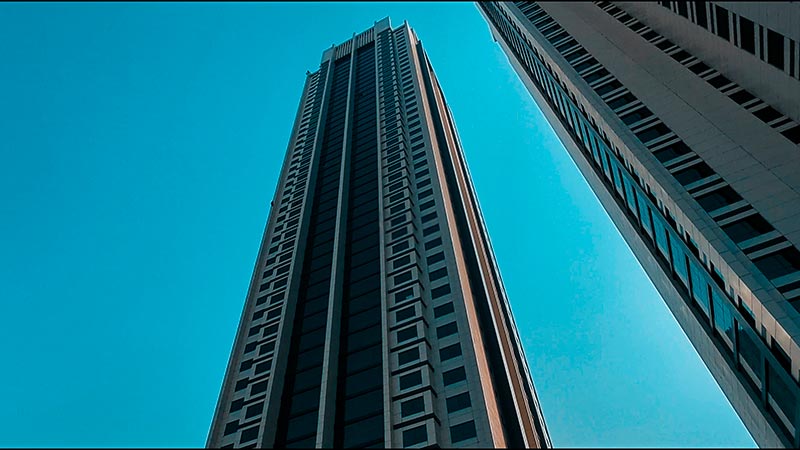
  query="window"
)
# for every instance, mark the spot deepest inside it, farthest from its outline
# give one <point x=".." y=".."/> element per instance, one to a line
<point x="775" y="49"/>
<point x="430" y="230"/>
<point x="406" y="334"/>
<point x="435" y="258"/>
<point x="433" y="243"/>
<point x="458" y="402"/>
<point x="445" y="330"/>
<point x="747" y="36"/>
<point x="249" y="434"/>
<point x="693" y="173"/>
<point x="636" y="115"/>
<point x="440" y="291"/>
<point x="653" y="132"/>
<point x="254" y="410"/>
<point x="722" y="22"/>
<point x="404" y="314"/>
<point x="741" y="97"/>
<point x="231" y="427"/>
<point x="438" y="273"/>
<point x="454" y="376"/>
<point x="410" y="380"/>
<point x="413" y="406"/>
<point x="780" y="263"/>
<point x="767" y="114"/>
<point x="700" y="14"/>
<point x="463" y="431"/>
<point x="450" y="352"/>
<point x="671" y="151"/>
<point x="443" y="310"/>
<point x="408" y="356"/>
<point x="414" y="436"/>
<point x="717" y="199"/>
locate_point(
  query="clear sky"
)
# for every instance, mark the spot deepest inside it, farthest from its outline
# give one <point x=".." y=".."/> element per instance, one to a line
<point x="140" y="145"/>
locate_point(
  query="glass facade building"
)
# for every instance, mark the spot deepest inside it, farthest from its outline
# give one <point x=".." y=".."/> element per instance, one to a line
<point x="684" y="118"/>
<point x="376" y="316"/>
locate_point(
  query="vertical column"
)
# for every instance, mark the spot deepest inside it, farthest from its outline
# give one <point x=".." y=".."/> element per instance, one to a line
<point x="330" y="363"/>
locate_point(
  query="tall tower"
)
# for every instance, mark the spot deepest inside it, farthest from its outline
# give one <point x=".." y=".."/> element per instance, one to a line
<point x="684" y="118"/>
<point x="376" y="316"/>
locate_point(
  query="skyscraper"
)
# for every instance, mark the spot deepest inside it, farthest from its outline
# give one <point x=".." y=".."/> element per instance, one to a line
<point x="684" y="119"/>
<point x="376" y="315"/>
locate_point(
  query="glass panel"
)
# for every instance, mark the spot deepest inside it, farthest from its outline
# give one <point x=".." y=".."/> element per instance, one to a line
<point x="679" y="259"/>
<point x="661" y="236"/>
<point x="700" y="287"/>
<point x="644" y="213"/>
<point x="749" y="354"/>
<point x="781" y="393"/>
<point x="723" y="318"/>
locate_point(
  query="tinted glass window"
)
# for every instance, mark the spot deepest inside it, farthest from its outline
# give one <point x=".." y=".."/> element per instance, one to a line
<point x="693" y="173"/>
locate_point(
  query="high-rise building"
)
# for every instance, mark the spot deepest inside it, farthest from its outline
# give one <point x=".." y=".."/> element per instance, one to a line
<point x="376" y="316"/>
<point x="684" y="119"/>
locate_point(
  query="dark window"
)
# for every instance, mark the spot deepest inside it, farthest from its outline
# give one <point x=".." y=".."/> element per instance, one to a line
<point x="722" y="22"/>
<point x="624" y="99"/>
<point x="446" y="330"/>
<point x="443" y="310"/>
<point x="413" y="406"/>
<point x="454" y="376"/>
<point x="241" y="384"/>
<point x="693" y="173"/>
<point x="254" y="410"/>
<point x="410" y="380"/>
<point x="719" y="81"/>
<point x="435" y="258"/>
<point x="231" y="427"/>
<point x="438" y="273"/>
<point x="608" y="87"/>
<point x="775" y="49"/>
<point x="430" y="230"/>
<point x="699" y="67"/>
<point x="250" y="347"/>
<point x="780" y="263"/>
<point x="700" y="14"/>
<point x="458" y="402"/>
<point x="404" y="314"/>
<point x="683" y="9"/>
<point x="440" y="291"/>
<point x="652" y="132"/>
<point x="236" y="405"/>
<point x="717" y="199"/>
<point x="408" y="356"/>
<point x="463" y="431"/>
<point x="767" y="114"/>
<point x="433" y="243"/>
<point x="414" y="436"/>
<point x="748" y="36"/>
<point x="406" y="334"/>
<point x="741" y="96"/>
<point x="450" y="352"/>
<point x="636" y="115"/>
<point x="249" y="434"/>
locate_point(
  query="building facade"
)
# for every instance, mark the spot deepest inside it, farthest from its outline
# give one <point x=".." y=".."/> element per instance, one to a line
<point x="684" y="118"/>
<point x="376" y="316"/>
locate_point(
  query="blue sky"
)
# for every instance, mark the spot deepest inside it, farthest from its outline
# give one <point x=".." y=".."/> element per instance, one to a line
<point x="140" y="145"/>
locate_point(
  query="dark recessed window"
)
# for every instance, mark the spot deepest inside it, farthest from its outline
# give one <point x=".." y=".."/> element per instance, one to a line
<point x="463" y="431"/>
<point x="236" y="405"/>
<point x="404" y="314"/>
<point x="231" y="427"/>
<point x="435" y="258"/>
<point x="410" y="380"/>
<point x="699" y="67"/>
<point x="406" y="334"/>
<point x="241" y="384"/>
<point x="780" y="263"/>
<point x="414" y="436"/>
<point x="413" y="406"/>
<point x="775" y="49"/>
<point x="258" y="388"/>
<point x="741" y="97"/>
<point x="408" y="356"/>
<point x="748" y="36"/>
<point x="624" y="99"/>
<point x="719" y="81"/>
<point x="454" y="376"/>
<point x="636" y="115"/>
<point x="723" y="30"/>
<point x="683" y="9"/>
<point x="693" y="173"/>
<point x="458" y="402"/>
<point x="433" y="243"/>
<point x="443" y="310"/>
<point x="438" y="273"/>
<point x="450" y="352"/>
<point x="249" y="434"/>
<point x="445" y="330"/>
<point x="767" y="114"/>
<point x="717" y="199"/>
<point x="254" y="410"/>
<point x="700" y="14"/>
<point x="747" y="228"/>
<point x="653" y="132"/>
<point x="440" y="291"/>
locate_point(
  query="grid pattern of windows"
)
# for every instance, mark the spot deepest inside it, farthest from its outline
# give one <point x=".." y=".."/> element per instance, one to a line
<point x="767" y="114"/>
<point x="722" y="316"/>
<point x="297" y="423"/>
<point x="758" y="40"/>
<point x="246" y="405"/>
